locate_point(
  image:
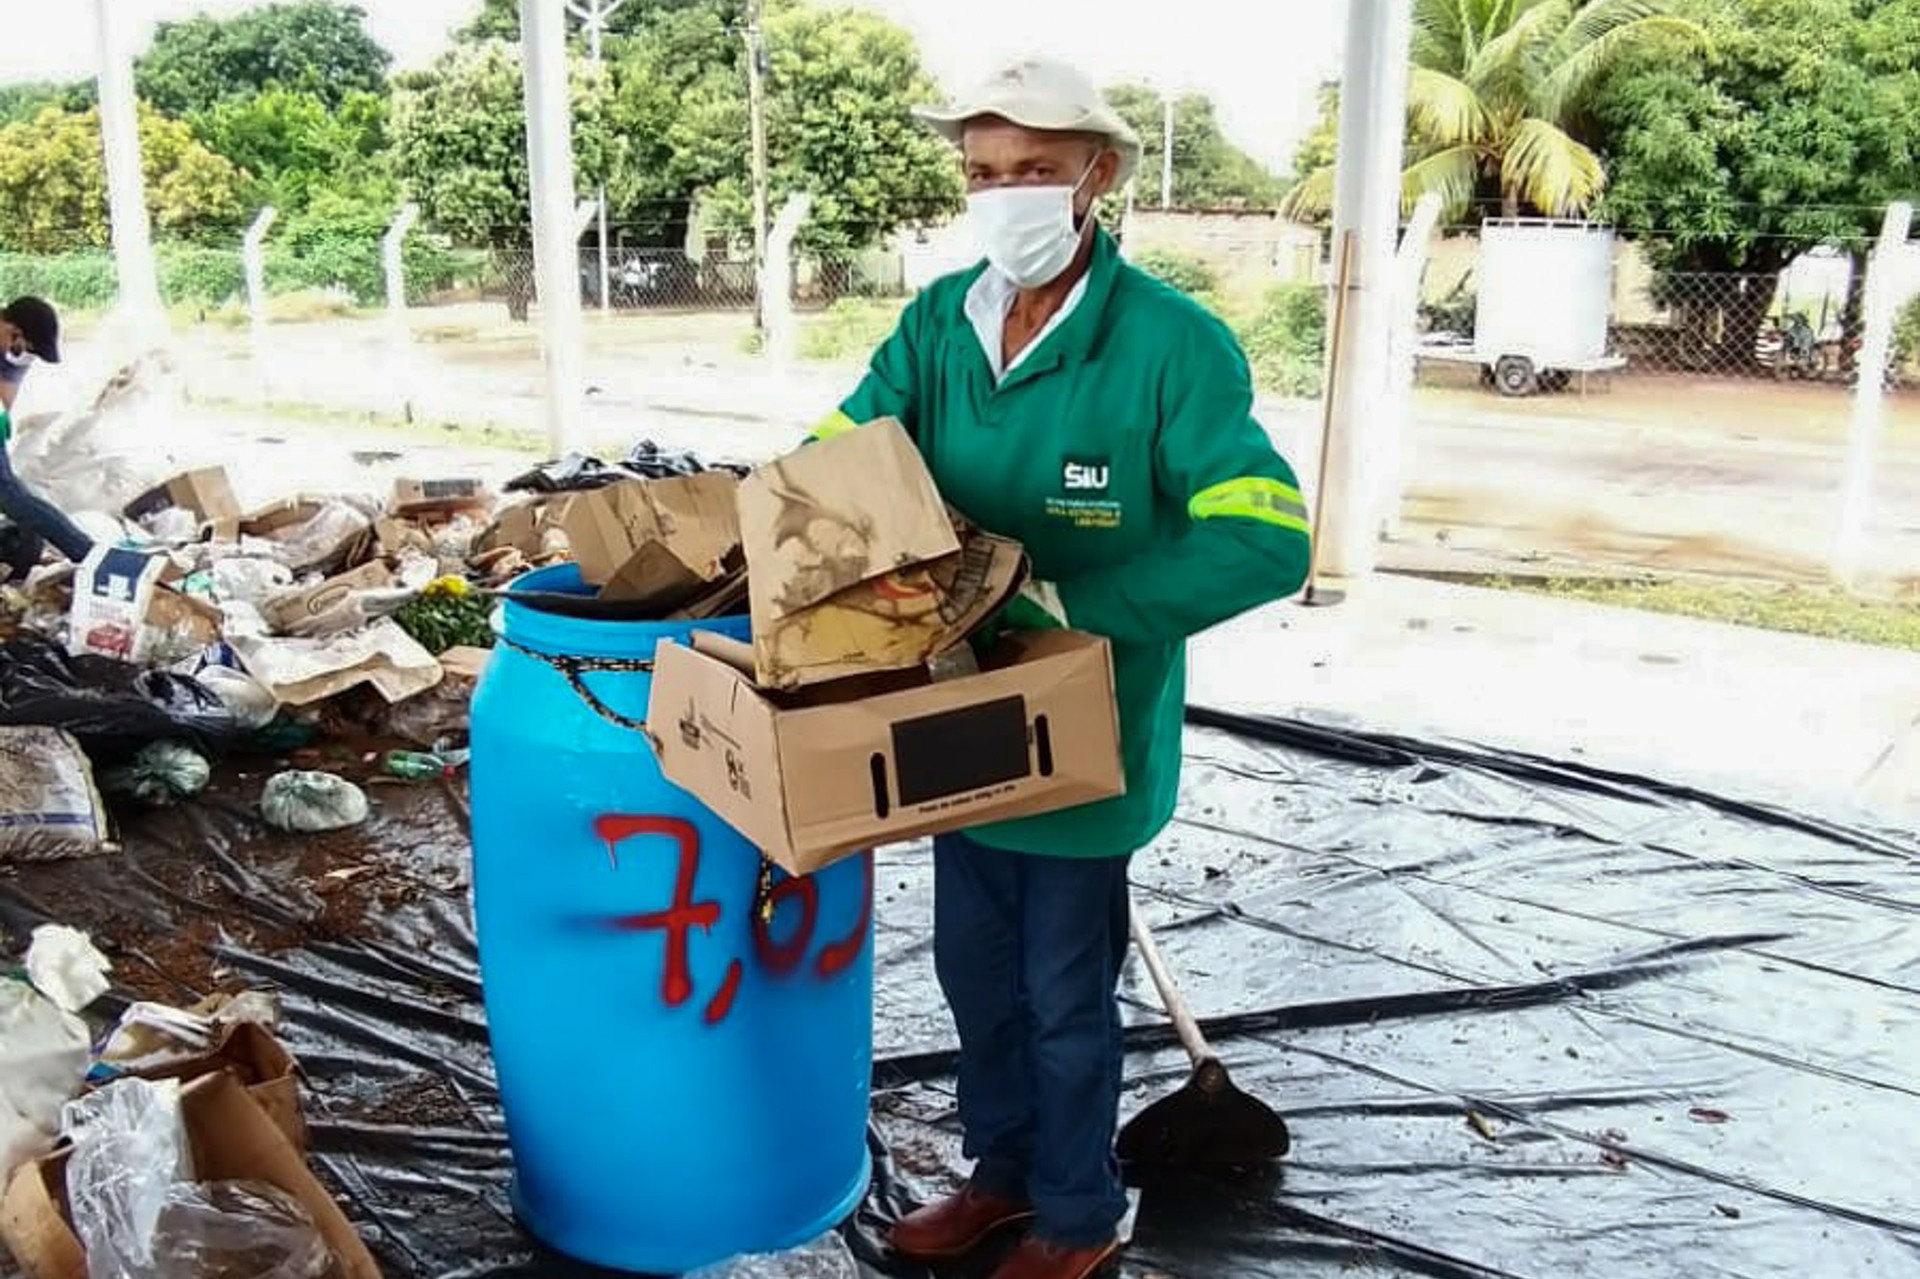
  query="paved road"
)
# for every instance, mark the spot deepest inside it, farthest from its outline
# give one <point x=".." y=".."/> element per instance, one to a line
<point x="1713" y="478"/>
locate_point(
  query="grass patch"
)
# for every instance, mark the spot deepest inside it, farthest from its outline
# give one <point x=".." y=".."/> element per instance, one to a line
<point x="1828" y="614"/>
<point x="849" y="330"/>
<point x="492" y="435"/>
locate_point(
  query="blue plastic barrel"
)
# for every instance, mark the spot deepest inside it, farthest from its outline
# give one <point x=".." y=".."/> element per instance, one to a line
<point x="683" y="1039"/>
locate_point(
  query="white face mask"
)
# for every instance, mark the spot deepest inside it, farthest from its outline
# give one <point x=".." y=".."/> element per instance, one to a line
<point x="20" y="359"/>
<point x="1027" y="233"/>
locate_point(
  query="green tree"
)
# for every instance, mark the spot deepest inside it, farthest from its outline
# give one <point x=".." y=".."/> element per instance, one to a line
<point x="460" y="146"/>
<point x="53" y="189"/>
<point x="22" y="102"/>
<point x="1796" y="129"/>
<point x="1318" y="150"/>
<point x="500" y="19"/>
<point x="309" y="46"/>
<point x="1209" y="171"/>
<point x="1497" y="96"/>
<point x="841" y="86"/>
<point x="298" y="147"/>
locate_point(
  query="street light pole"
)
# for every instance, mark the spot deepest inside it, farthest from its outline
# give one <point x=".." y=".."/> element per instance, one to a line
<point x="595" y="15"/>
<point x="757" y="122"/>
<point x="1166" y="150"/>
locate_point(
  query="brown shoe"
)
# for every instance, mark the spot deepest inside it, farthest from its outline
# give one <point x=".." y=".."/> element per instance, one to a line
<point x="1038" y="1259"/>
<point x="956" y="1225"/>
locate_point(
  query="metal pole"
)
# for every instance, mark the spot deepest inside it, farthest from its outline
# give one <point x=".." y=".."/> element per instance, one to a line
<point x="126" y="183"/>
<point x="596" y="14"/>
<point x="1373" y="101"/>
<point x="253" y="260"/>
<point x="1166" y="150"/>
<point x="757" y="121"/>
<point x="1883" y="298"/>
<point x="543" y="36"/>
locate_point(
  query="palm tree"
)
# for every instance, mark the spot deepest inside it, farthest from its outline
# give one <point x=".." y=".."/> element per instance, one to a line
<point x="1494" y="90"/>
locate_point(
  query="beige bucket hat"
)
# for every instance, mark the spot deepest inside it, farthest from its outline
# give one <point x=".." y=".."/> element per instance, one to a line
<point x="1048" y="96"/>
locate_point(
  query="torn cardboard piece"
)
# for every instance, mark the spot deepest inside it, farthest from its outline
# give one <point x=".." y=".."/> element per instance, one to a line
<point x="232" y="1139"/>
<point x="694" y="517"/>
<point x="300" y="672"/>
<point x="1035" y="731"/>
<point x="855" y="565"/>
<point x="328" y="607"/>
<point x="124" y="608"/>
<point x="839" y="513"/>
<point x="899" y="621"/>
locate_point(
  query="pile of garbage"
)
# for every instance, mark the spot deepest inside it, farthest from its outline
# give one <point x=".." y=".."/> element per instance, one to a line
<point x="172" y="1146"/>
<point x="200" y="629"/>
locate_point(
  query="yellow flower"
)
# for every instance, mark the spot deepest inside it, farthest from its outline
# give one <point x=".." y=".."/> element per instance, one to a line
<point x="450" y="588"/>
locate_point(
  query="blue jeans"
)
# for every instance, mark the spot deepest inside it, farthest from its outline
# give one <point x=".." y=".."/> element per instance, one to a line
<point x="1028" y="951"/>
<point x="38" y="518"/>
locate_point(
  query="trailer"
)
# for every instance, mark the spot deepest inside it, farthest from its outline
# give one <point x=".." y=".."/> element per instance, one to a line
<point x="1542" y="307"/>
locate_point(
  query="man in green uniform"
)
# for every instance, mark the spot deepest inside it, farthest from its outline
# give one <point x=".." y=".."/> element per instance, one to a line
<point x="1066" y="399"/>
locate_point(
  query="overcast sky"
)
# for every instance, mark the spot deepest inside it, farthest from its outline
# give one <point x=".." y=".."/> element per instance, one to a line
<point x="1263" y="79"/>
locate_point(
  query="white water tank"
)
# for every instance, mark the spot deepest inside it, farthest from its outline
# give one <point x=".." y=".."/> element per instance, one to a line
<point x="1545" y="291"/>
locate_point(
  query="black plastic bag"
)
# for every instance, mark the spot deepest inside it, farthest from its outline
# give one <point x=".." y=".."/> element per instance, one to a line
<point x="651" y="462"/>
<point x="578" y="473"/>
<point x="113" y="709"/>
<point x="574" y="473"/>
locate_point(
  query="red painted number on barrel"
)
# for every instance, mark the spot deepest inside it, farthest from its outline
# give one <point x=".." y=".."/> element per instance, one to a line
<point x="779" y="956"/>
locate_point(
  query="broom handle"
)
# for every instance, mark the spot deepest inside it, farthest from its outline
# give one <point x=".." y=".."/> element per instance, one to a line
<point x="1342" y="278"/>
<point x="1191" y="1036"/>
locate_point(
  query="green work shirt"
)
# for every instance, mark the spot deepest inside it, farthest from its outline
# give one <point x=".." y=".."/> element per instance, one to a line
<point x="1123" y="452"/>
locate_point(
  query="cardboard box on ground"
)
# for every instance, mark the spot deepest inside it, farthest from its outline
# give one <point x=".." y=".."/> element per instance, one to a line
<point x="232" y="1139"/>
<point x="206" y="493"/>
<point x="832" y="733"/>
<point x="258" y="1061"/>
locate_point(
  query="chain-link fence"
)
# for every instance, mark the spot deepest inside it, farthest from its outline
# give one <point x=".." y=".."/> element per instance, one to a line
<point x="1802" y="324"/>
<point x="1727" y="325"/>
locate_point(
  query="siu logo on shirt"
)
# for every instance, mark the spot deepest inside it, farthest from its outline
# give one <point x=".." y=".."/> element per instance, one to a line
<point x="1085" y="475"/>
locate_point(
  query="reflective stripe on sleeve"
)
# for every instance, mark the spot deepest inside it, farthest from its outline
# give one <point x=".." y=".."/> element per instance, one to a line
<point x="1252" y="498"/>
<point x="836" y="424"/>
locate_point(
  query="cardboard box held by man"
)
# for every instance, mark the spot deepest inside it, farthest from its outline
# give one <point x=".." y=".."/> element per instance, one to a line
<point x="831" y="733"/>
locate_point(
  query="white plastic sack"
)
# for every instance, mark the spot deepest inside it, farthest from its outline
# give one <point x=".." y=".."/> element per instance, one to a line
<point x="251" y="702"/>
<point x="43" y="1062"/>
<point x="112" y="447"/>
<point x="249" y="581"/>
<point x="172" y="526"/>
<point x="63" y="965"/>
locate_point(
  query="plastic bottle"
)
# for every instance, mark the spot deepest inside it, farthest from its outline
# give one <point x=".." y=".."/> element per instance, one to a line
<point x="415" y="766"/>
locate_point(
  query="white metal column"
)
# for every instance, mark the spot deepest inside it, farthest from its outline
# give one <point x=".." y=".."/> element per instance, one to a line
<point x="1373" y="107"/>
<point x="1887" y="289"/>
<point x="253" y="261"/>
<point x="543" y="37"/>
<point x="126" y="182"/>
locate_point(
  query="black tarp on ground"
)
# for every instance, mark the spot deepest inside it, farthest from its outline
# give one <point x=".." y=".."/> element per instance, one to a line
<point x="1689" y="1030"/>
